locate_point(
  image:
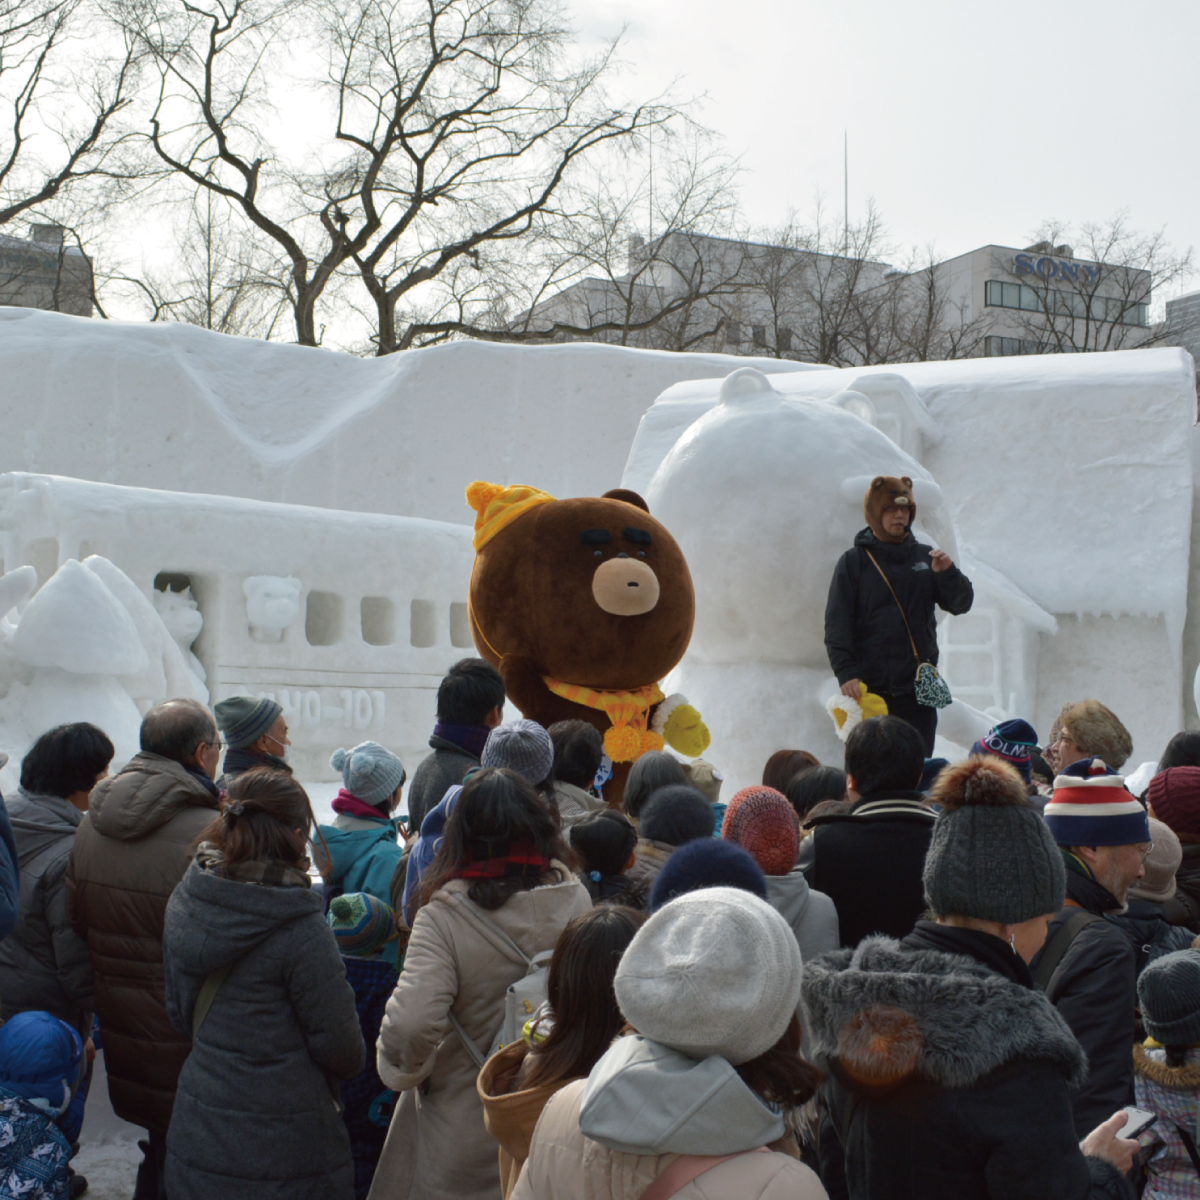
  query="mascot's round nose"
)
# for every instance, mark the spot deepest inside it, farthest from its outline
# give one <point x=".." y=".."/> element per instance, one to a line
<point x="625" y="587"/>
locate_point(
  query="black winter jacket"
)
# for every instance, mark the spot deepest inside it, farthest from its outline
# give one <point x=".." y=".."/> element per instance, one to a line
<point x="870" y="861"/>
<point x="961" y="1094"/>
<point x="1184" y="908"/>
<point x="865" y="635"/>
<point x="1145" y="924"/>
<point x="1094" y="988"/>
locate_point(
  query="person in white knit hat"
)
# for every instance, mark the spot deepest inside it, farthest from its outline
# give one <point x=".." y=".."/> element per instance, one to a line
<point x="692" y="1103"/>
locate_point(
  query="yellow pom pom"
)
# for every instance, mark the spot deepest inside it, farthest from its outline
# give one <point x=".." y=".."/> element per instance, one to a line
<point x="623" y="745"/>
<point x="686" y="732"/>
<point x="651" y="741"/>
<point x="481" y="494"/>
<point x="872" y="705"/>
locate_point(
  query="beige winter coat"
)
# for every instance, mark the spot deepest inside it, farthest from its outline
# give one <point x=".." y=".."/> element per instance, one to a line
<point x="565" y="1165"/>
<point x="437" y="1147"/>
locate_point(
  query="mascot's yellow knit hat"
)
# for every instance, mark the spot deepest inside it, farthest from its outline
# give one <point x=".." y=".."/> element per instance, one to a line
<point x="498" y="507"/>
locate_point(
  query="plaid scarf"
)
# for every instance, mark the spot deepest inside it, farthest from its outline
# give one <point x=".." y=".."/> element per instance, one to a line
<point x="504" y="860"/>
<point x="269" y="872"/>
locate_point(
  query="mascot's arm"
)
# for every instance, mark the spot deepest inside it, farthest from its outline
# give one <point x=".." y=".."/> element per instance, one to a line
<point x="681" y="726"/>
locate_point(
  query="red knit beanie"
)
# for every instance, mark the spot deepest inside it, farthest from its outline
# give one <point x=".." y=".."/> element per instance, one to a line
<point x="1175" y="797"/>
<point x="762" y="821"/>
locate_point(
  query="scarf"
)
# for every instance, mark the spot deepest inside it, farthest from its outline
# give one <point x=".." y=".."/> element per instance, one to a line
<point x="471" y="738"/>
<point x="269" y="872"/>
<point x="238" y="762"/>
<point x="352" y="806"/>
<point x="984" y="948"/>
<point x="1086" y="890"/>
<point x="202" y="777"/>
<point x="504" y="860"/>
<point x="630" y="736"/>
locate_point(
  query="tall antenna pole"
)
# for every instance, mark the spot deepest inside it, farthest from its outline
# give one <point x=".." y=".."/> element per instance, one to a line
<point x="845" y="191"/>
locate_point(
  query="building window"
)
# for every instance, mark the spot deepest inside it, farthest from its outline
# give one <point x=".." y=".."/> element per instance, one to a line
<point x="733" y="333"/>
<point x="1002" y="347"/>
<point x="783" y="340"/>
<point x="758" y="334"/>
<point x="1055" y="302"/>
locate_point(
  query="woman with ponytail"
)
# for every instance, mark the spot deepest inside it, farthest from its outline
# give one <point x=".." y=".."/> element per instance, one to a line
<point x="499" y="892"/>
<point x="254" y="977"/>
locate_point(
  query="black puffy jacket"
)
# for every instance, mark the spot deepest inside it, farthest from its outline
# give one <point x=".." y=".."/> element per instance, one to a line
<point x="865" y="635"/>
<point x="1094" y="989"/>
<point x="948" y="1080"/>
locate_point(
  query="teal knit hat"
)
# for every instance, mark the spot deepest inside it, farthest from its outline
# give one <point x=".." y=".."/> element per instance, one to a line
<point x="361" y="923"/>
<point x="243" y="719"/>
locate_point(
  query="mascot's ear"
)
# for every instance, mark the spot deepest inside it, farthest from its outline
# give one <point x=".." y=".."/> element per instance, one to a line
<point x="877" y="483"/>
<point x="628" y="496"/>
<point x="904" y="479"/>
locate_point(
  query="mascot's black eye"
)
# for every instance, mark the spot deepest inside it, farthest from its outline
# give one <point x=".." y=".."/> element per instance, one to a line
<point x="596" y="537"/>
<point x="598" y="554"/>
<point x="641" y="554"/>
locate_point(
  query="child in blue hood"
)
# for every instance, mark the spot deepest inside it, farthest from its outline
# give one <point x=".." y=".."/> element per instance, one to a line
<point x="361" y="848"/>
<point x="39" y="1066"/>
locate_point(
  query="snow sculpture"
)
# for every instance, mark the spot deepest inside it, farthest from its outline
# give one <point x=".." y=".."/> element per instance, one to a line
<point x="764" y="492"/>
<point x="167" y="676"/>
<point x="182" y="616"/>
<point x="75" y="623"/>
<point x="272" y="604"/>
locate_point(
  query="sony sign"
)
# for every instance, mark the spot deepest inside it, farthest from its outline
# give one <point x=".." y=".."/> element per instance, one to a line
<point x="1055" y="268"/>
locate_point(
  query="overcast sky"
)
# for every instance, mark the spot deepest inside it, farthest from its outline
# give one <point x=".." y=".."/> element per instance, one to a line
<point x="969" y="122"/>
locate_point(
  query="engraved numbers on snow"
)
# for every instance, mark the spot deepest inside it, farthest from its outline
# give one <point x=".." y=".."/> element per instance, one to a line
<point x="351" y="708"/>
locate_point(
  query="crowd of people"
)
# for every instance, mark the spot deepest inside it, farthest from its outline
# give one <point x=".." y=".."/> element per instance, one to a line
<point x="895" y="977"/>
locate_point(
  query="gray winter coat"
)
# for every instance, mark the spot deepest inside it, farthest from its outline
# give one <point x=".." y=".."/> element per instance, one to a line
<point x="436" y="773"/>
<point x="255" y="1115"/>
<point x="811" y="914"/>
<point x="44" y="963"/>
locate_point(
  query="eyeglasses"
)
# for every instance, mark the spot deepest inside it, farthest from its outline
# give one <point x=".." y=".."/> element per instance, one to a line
<point x="1146" y="852"/>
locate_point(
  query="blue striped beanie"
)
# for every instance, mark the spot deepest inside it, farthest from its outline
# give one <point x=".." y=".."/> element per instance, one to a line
<point x="1090" y="806"/>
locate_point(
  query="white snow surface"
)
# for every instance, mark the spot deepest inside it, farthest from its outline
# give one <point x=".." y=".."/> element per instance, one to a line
<point x="176" y="407"/>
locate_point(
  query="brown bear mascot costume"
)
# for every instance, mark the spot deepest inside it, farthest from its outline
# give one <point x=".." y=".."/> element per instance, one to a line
<point x="583" y="606"/>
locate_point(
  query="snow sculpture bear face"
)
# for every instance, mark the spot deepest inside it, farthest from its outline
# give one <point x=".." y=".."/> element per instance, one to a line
<point x="272" y="604"/>
<point x="181" y="615"/>
<point x="764" y="493"/>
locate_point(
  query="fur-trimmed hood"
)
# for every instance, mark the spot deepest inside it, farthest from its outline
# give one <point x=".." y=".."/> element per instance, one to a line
<point x="1185" y="1078"/>
<point x="886" y="1013"/>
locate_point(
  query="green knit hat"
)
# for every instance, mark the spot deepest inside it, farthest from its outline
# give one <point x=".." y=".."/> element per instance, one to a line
<point x="243" y="719"/>
<point x="361" y="923"/>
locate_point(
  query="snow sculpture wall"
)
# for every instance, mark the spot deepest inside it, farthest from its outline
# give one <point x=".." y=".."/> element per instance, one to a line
<point x="176" y="407"/>
<point x="357" y="615"/>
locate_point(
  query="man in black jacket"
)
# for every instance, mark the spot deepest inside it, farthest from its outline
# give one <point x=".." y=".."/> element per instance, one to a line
<point x="879" y="619"/>
<point x="869" y="860"/>
<point x="1088" y="966"/>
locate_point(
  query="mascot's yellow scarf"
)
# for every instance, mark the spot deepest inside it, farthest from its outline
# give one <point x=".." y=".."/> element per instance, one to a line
<point x="629" y="738"/>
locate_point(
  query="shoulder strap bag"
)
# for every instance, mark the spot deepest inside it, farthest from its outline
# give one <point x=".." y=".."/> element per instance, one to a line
<point x="688" y="1167"/>
<point x="208" y="993"/>
<point x="930" y="687"/>
<point x="1056" y="948"/>
<point x="1189" y="1144"/>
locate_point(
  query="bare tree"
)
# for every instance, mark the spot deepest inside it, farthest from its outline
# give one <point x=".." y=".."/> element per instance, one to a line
<point x="1088" y="288"/>
<point x="63" y="91"/>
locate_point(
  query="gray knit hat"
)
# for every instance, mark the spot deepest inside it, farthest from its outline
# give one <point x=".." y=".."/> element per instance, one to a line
<point x="1169" y="997"/>
<point x="521" y="746"/>
<point x="243" y="720"/>
<point x="1166" y="853"/>
<point x="369" y="771"/>
<point x="991" y="856"/>
<point x="716" y="971"/>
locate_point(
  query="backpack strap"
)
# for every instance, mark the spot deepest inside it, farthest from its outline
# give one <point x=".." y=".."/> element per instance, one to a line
<point x="1056" y="948"/>
<point x="482" y="916"/>
<point x="1189" y="1144"/>
<point x="688" y="1167"/>
<point x="208" y="993"/>
<point x="469" y="1044"/>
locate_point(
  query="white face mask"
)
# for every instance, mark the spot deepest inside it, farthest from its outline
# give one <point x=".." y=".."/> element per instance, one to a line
<point x="284" y="749"/>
